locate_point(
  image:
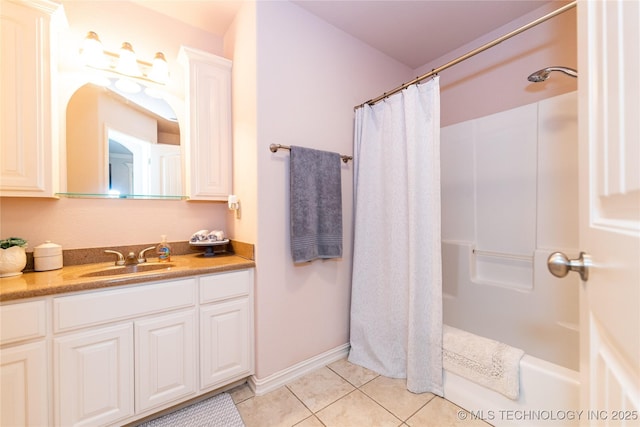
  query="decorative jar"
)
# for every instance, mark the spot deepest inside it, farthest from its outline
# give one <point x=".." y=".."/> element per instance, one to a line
<point x="47" y="256"/>
<point x="12" y="261"/>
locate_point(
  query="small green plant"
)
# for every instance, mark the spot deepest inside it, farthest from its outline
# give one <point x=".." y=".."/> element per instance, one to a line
<point x="13" y="241"/>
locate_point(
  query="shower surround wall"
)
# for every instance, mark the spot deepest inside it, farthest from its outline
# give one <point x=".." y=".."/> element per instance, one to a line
<point x="509" y="199"/>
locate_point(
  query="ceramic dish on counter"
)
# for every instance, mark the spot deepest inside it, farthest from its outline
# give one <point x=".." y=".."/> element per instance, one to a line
<point x="209" y="246"/>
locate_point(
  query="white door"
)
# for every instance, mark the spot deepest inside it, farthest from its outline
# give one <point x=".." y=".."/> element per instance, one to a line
<point x="165" y="169"/>
<point x="609" y="156"/>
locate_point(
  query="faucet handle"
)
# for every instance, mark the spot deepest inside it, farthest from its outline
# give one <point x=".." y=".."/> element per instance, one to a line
<point x="141" y="257"/>
<point x="120" y="260"/>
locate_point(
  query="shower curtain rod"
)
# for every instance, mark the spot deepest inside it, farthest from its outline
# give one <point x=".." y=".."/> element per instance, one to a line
<point x="470" y="54"/>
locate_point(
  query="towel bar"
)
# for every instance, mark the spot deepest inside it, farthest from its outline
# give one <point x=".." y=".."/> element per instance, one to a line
<point x="276" y="147"/>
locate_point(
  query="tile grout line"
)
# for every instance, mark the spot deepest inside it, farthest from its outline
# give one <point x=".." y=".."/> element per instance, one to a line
<point x="379" y="403"/>
<point x="324" y="407"/>
<point x="420" y="408"/>
<point x="384" y="407"/>
<point x="314" y="414"/>
<point x="355" y="388"/>
<point x="299" y="400"/>
<point x="359" y="388"/>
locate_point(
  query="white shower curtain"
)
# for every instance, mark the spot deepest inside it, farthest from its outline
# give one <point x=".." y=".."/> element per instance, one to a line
<point x="396" y="306"/>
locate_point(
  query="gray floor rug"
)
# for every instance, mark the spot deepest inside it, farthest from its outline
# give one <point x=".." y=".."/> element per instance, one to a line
<point x="218" y="411"/>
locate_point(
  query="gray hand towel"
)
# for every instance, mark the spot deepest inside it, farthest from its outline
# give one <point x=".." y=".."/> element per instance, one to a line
<point x="316" y="204"/>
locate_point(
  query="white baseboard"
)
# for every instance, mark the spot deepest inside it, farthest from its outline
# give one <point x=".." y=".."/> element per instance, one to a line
<point x="261" y="386"/>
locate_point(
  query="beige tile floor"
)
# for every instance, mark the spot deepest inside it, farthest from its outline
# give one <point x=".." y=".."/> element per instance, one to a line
<point x="346" y="395"/>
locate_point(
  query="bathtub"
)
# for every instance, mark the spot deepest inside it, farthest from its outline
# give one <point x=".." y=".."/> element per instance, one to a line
<point x="549" y="396"/>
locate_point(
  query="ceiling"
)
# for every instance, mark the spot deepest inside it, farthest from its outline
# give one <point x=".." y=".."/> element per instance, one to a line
<point x="413" y="32"/>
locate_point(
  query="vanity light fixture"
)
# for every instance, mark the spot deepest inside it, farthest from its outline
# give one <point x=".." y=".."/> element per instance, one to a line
<point x="125" y="62"/>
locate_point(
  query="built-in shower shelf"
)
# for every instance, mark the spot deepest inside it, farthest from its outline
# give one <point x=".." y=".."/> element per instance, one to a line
<point x="503" y="255"/>
<point x="503" y="269"/>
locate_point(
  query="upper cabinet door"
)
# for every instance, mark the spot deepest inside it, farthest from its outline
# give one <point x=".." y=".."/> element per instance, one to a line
<point x="208" y="133"/>
<point x="28" y="143"/>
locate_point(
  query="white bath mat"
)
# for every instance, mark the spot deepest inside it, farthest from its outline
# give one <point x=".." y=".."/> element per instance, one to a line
<point x="218" y="411"/>
<point x="489" y="363"/>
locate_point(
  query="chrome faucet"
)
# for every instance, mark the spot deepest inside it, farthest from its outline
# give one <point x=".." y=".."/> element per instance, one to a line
<point x="131" y="256"/>
<point x="120" y="260"/>
<point x="131" y="259"/>
<point x="141" y="257"/>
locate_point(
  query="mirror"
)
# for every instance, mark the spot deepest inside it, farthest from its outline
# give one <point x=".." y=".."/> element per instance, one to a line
<point x="122" y="144"/>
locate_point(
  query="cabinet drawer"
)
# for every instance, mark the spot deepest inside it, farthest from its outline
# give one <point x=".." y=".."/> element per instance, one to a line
<point x="94" y="308"/>
<point x="22" y="321"/>
<point x="221" y="286"/>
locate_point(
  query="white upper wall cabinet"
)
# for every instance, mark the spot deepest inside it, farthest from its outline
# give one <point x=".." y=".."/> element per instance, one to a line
<point x="28" y="138"/>
<point x="207" y="144"/>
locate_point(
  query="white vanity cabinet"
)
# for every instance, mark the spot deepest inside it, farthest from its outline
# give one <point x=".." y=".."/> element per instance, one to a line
<point x="28" y="127"/>
<point x="23" y="365"/>
<point x="121" y="354"/>
<point x="108" y="374"/>
<point x="142" y="359"/>
<point x="226" y="327"/>
<point x="207" y="145"/>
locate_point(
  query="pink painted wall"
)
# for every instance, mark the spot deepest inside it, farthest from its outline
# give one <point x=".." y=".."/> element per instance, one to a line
<point x="240" y="47"/>
<point x="91" y="223"/>
<point x="309" y="77"/>
<point x="496" y="80"/>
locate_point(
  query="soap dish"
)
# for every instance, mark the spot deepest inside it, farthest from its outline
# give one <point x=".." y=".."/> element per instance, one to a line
<point x="209" y="246"/>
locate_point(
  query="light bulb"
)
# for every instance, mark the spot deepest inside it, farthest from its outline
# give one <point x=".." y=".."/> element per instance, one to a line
<point x="127" y="63"/>
<point x="159" y="69"/>
<point x="92" y="51"/>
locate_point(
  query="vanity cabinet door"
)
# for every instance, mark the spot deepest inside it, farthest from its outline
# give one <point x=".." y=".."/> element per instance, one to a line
<point x="23" y="376"/>
<point x="165" y="359"/>
<point x="93" y="376"/>
<point x="24" y="397"/>
<point x="208" y="134"/>
<point x="225" y="342"/>
<point x="28" y="141"/>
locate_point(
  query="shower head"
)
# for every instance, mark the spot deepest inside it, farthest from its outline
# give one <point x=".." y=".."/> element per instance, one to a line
<point x="542" y="75"/>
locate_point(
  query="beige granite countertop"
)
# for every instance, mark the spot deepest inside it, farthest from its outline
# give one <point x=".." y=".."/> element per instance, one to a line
<point x="74" y="278"/>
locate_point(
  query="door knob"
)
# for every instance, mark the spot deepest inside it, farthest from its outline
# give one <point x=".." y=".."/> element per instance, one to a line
<point x="559" y="265"/>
